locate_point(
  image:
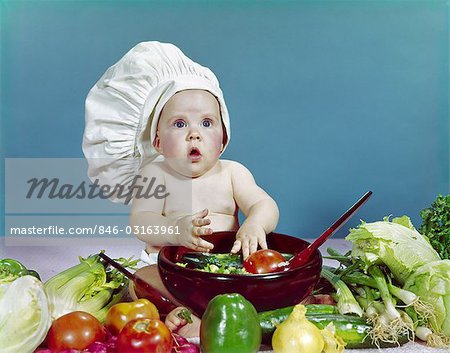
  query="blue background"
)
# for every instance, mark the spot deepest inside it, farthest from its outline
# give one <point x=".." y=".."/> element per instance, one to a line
<point x="327" y="99"/>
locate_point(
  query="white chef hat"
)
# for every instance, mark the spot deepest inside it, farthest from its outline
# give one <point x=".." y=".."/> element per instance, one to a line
<point x="123" y="108"/>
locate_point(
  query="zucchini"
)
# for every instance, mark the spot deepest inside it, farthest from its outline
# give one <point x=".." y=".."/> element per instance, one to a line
<point x="352" y="329"/>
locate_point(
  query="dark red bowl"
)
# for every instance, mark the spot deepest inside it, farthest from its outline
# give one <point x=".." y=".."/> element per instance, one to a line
<point x="270" y="291"/>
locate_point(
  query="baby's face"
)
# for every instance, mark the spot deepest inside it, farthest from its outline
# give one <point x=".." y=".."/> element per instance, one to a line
<point x="190" y="134"/>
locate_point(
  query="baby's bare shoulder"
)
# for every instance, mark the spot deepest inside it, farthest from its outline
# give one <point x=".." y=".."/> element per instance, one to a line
<point x="155" y="169"/>
<point x="234" y="167"/>
<point x="231" y="165"/>
<point x="153" y="172"/>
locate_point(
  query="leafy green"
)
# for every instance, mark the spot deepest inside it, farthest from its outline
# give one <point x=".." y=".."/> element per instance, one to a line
<point x="201" y="259"/>
<point x="215" y="263"/>
<point x="394" y="243"/>
<point x="185" y="314"/>
<point x="436" y="225"/>
<point x="431" y="282"/>
<point x="224" y="268"/>
<point x="89" y="286"/>
<point x="24" y="315"/>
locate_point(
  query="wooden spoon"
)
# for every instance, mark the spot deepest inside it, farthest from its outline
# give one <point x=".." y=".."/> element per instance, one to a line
<point x="303" y="256"/>
<point x="149" y="292"/>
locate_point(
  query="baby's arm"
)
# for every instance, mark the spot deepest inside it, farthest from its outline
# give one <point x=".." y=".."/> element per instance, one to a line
<point x="147" y="214"/>
<point x="259" y="208"/>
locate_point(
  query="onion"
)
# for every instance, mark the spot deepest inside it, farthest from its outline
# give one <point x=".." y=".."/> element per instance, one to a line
<point x="97" y="347"/>
<point x="297" y="334"/>
<point x="182" y="345"/>
<point x="46" y="350"/>
<point x="104" y="347"/>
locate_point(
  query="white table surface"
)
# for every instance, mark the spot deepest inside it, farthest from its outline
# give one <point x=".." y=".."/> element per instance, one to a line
<point x="50" y="260"/>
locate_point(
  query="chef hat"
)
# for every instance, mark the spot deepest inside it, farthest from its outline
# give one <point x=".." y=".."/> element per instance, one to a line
<point x="123" y="108"/>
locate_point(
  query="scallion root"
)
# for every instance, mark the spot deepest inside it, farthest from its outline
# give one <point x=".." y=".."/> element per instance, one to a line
<point x="433" y="339"/>
<point x="385" y="330"/>
<point x="437" y="340"/>
<point x="424" y="310"/>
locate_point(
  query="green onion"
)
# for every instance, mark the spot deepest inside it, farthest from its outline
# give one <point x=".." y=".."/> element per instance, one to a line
<point x="405" y="296"/>
<point x="360" y="279"/>
<point x="346" y="302"/>
<point x="386" y="297"/>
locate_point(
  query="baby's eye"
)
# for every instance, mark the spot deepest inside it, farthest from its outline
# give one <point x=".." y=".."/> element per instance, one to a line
<point x="206" y="123"/>
<point x="179" y="124"/>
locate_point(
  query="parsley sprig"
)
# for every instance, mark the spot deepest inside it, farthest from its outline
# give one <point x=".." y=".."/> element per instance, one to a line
<point x="436" y="225"/>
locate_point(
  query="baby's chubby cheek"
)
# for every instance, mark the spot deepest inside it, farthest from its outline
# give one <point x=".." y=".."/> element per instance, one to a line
<point x="217" y="143"/>
<point x="171" y="149"/>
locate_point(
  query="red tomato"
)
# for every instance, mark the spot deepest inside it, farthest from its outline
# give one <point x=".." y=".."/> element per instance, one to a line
<point x="76" y="330"/>
<point x="263" y="261"/>
<point x="144" y="336"/>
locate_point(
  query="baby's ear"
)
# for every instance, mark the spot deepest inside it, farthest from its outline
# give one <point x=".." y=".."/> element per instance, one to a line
<point x="157" y="143"/>
<point x="224" y="137"/>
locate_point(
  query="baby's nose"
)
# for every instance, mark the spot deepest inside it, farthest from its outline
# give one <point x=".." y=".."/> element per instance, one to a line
<point x="194" y="135"/>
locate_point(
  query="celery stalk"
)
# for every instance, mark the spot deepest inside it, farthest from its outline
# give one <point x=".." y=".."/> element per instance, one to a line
<point x="88" y="286"/>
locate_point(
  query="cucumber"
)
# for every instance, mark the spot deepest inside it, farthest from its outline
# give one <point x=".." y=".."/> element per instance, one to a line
<point x="352" y="329"/>
<point x="202" y="259"/>
<point x="268" y="320"/>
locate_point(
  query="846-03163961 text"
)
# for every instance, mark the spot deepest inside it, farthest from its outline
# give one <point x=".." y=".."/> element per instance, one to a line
<point x="94" y="230"/>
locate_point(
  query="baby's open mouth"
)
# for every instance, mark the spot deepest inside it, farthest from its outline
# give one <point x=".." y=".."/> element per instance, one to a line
<point x="194" y="154"/>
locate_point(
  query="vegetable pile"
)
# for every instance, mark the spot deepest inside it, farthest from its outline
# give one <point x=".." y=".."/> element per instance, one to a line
<point x="395" y="279"/>
<point x="392" y="287"/>
<point x="80" y="310"/>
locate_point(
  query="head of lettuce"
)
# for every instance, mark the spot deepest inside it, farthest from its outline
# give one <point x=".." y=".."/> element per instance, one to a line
<point x="396" y="244"/>
<point x="412" y="261"/>
<point x="431" y="282"/>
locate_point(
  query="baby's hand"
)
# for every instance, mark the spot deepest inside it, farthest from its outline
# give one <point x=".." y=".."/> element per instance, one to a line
<point x="191" y="228"/>
<point x="176" y="323"/>
<point x="174" y="320"/>
<point x="248" y="237"/>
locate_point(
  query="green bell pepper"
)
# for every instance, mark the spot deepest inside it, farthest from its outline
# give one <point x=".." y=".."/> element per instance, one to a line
<point x="230" y="324"/>
<point x="11" y="269"/>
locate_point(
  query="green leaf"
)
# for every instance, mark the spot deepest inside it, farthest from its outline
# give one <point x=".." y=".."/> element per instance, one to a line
<point x="436" y="225"/>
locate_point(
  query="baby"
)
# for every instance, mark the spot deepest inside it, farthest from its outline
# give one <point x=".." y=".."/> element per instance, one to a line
<point x="205" y="192"/>
<point x="187" y="128"/>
